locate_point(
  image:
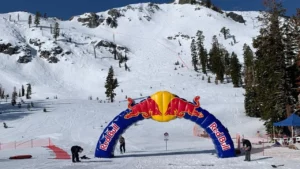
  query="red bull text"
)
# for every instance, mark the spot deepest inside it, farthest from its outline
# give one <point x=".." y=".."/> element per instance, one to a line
<point x="220" y="136"/>
<point x="109" y="135"/>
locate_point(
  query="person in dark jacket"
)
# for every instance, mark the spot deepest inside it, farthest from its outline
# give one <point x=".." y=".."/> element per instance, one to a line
<point x="4" y="125"/>
<point x="247" y="147"/>
<point x="75" y="156"/>
<point x="122" y="144"/>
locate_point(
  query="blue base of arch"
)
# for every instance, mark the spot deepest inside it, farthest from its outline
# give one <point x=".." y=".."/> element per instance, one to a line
<point x="219" y="134"/>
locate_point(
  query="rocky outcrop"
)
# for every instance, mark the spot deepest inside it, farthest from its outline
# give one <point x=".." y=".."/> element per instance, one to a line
<point x="236" y="17"/>
<point x="57" y="50"/>
<point x="53" y="59"/>
<point x="183" y="36"/>
<point x="112" y="22"/>
<point x="27" y="57"/>
<point x="9" y="49"/>
<point x="51" y="55"/>
<point x="112" y="46"/>
<point x="45" y="54"/>
<point x="92" y="20"/>
<point x="35" y="42"/>
<point x="185" y="1"/>
<point x="114" y="13"/>
<point x="152" y="7"/>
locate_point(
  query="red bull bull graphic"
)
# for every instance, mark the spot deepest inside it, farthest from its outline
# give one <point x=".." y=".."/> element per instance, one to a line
<point x="179" y="107"/>
<point x="164" y="106"/>
<point x="147" y="108"/>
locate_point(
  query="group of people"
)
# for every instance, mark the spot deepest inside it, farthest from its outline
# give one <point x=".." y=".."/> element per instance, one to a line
<point x="75" y="150"/>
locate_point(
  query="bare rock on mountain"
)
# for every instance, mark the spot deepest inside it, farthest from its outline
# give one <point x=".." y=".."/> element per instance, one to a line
<point x="92" y="20"/>
<point x="45" y="54"/>
<point x="114" y="13"/>
<point x="9" y="49"/>
<point x="236" y="17"/>
<point x="53" y="59"/>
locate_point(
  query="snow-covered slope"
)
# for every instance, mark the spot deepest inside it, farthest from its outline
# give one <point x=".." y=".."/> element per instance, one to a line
<point x="151" y="54"/>
<point x="72" y="119"/>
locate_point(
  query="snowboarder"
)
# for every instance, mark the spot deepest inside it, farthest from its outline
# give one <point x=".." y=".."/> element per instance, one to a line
<point x="75" y="150"/>
<point x="4" y="125"/>
<point x="122" y="144"/>
<point x="247" y="147"/>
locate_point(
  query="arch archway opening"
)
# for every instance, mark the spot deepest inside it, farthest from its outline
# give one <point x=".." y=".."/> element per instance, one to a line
<point x="164" y="106"/>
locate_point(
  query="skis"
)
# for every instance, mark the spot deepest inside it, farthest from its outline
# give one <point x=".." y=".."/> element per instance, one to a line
<point x="275" y="166"/>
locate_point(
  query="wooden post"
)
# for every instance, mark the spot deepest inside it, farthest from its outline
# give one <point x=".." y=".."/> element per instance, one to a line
<point x="263" y="147"/>
<point x="273" y="133"/>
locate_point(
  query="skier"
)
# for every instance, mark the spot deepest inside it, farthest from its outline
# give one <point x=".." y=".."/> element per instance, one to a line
<point x="247" y="147"/>
<point x="4" y="125"/>
<point x="75" y="150"/>
<point x="122" y="144"/>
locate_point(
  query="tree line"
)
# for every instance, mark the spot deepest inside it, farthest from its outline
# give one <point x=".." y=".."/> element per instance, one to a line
<point x="273" y="70"/>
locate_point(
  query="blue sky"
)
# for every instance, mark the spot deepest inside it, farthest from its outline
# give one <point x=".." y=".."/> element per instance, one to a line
<point x="66" y="8"/>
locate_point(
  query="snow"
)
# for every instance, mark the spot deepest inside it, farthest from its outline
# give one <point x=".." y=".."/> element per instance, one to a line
<point x="73" y="119"/>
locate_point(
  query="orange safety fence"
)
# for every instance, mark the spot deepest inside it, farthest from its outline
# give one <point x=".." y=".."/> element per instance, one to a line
<point x="26" y="144"/>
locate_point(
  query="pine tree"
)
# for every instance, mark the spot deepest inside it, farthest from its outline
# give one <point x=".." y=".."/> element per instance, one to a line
<point x="208" y="3"/>
<point x="20" y="93"/>
<point x="235" y="70"/>
<point x="194" y="55"/>
<point x="249" y="66"/>
<point x="126" y="67"/>
<point x="115" y="51"/>
<point x="28" y="94"/>
<point x="23" y="91"/>
<point x="18" y="17"/>
<point x="251" y="103"/>
<point x="296" y="21"/>
<point x="217" y="59"/>
<point x="56" y="31"/>
<point x="29" y="20"/>
<point x="14" y="97"/>
<point x="1" y="91"/>
<point x="227" y="59"/>
<point x="37" y="19"/>
<point x="291" y="39"/>
<point x="111" y="84"/>
<point x="270" y="66"/>
<point x="201" y="51"/>
<point x="225" y="32"/>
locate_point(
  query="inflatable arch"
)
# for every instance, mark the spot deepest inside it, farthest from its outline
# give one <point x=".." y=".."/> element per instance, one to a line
<point x="163" y="107"/>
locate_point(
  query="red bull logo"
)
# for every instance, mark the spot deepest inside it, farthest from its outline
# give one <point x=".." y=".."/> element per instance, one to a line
<point x="220" y="136"/>
<point x="147" y="108"/>
<point x="109" y="135"/>
<point x="179" y="107"/>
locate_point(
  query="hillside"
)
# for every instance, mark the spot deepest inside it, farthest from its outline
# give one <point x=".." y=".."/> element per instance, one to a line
<point x="151" y="54"/>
